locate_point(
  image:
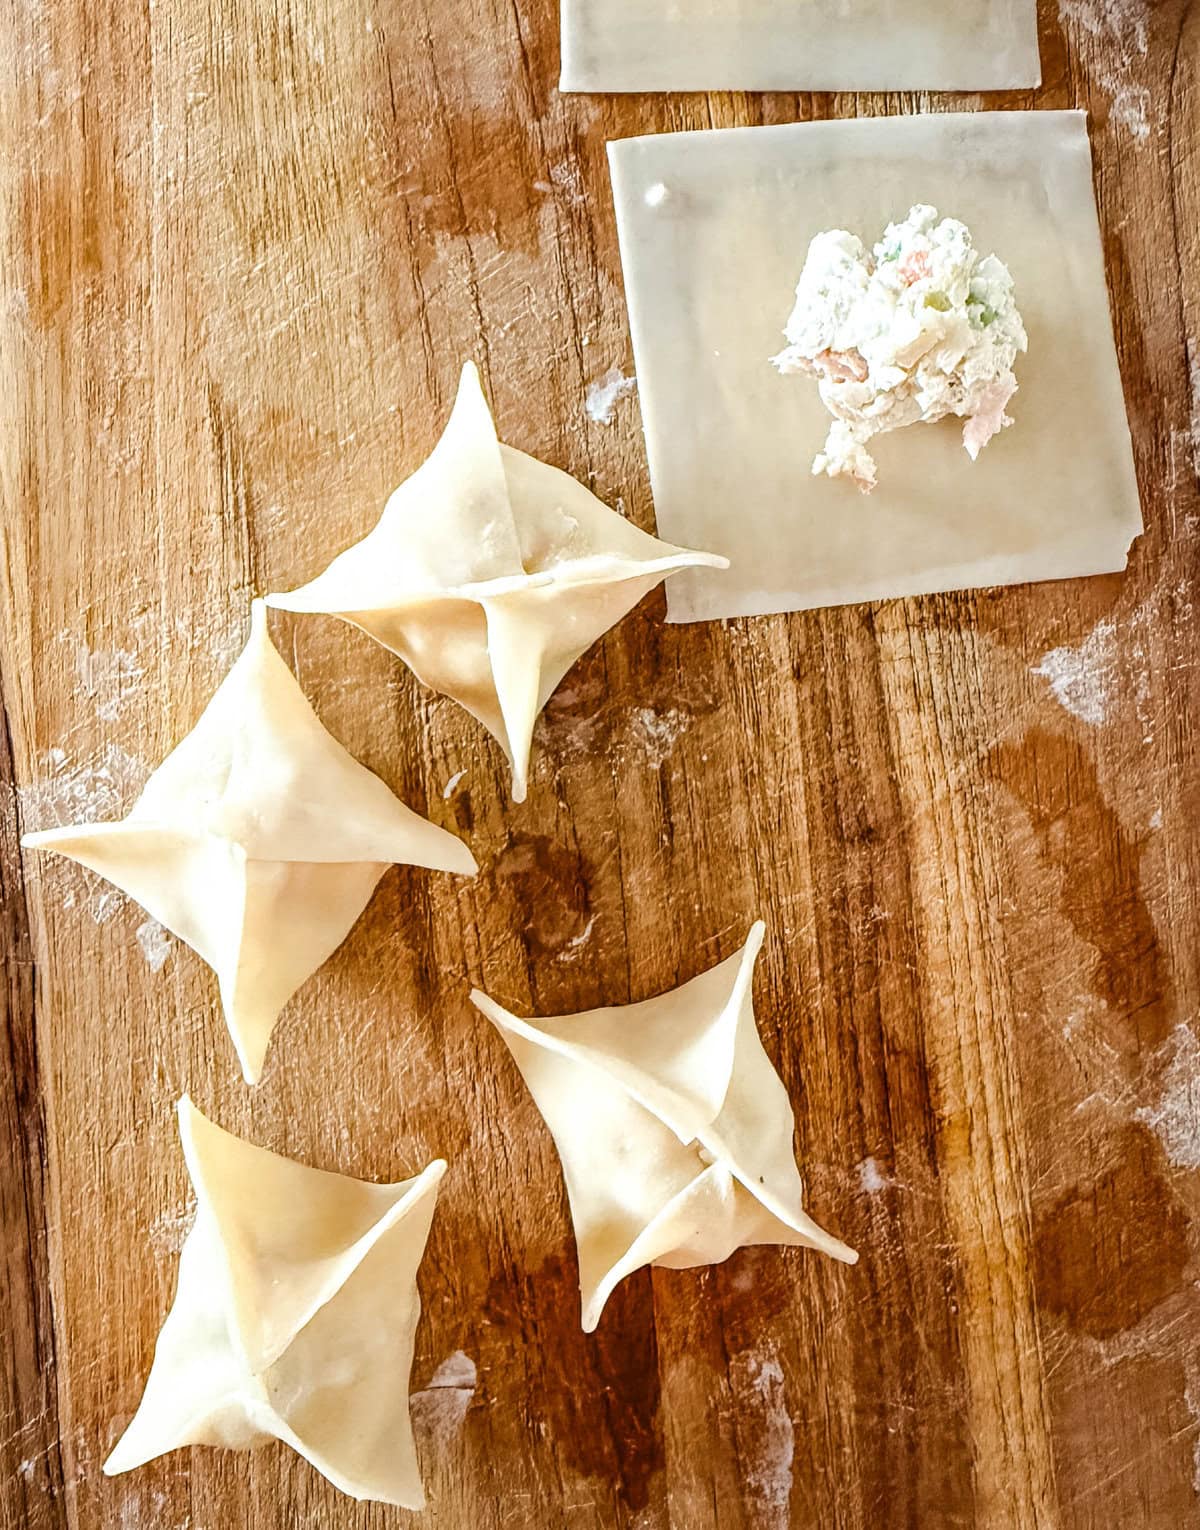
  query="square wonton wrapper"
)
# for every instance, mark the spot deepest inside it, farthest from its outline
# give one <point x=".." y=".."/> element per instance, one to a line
<point x="714" y="229"/>
<point x="615" y="45"/>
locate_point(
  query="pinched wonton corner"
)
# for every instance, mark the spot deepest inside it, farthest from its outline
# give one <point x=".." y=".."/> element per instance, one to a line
<point x="674" y="1130"/>
<point x="915" y="330"/>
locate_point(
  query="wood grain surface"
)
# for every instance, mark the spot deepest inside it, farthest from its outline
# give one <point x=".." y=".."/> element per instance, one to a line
<point x="245" y="246"/>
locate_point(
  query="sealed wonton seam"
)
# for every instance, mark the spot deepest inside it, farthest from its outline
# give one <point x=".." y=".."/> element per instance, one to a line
<point x="714" y="228"/>
<point x="790" y="45"/>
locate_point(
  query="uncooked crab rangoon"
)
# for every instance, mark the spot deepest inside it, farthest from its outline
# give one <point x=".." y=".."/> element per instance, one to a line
<point x="674" y="1130"/>
<point x="490" y="573"/>
<point x="259" y="841"/>
<point x="293" y="1318"/>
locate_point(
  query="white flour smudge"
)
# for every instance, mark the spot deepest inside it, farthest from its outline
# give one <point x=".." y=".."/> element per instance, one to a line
<point x="1085" y="1013"/>
<point x="1082" y="678"/>
<point x="448" y="789"/>
<point x="1191" y="1400"/>
<point x="168" y="1230"/>
<point x="1156" y="819"/>
<point x="769" y="1472"/>
<point x="136" y="1514"/>
<point x="1131" y="110"/>
<point x="657" y="733"/>
<point x="578" y="942"/>
<point x="109" y="678"/>
<point x="1123" y="22"/>
<point x="85" y="793"/>
<point x="1175" y="1117"/>
<point x="439" y="1409"/>
<point x="742" y="1277"/>
<point x="217" y="631"/>
<point x="456" y="1370"/>
<point x="567" y="180"/>
<point x="870" y="1179"/>
<point x="1123" y="27"/>
<point x="603" y="396"/>
<point x="105" y="903"/>
<point x="155" y="942"/>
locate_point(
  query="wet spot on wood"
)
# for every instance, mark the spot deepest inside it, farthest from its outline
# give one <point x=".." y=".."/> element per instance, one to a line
<point x="548" y="885"/>
<point x="1081" y="837"/>
<point x="462" y="810"/>
<point x="577" y="720"/>
<point x="493" y="194"/>
<point x="598" y="1394"/>
<point x="1111" y="1250"/>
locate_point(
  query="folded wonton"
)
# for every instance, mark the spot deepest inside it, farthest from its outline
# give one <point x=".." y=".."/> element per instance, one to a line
<point x="490" y="573"/>
<point x="293" y="1319"/>
<point x="259" y="842"/>
<point x="674" y="1130"/>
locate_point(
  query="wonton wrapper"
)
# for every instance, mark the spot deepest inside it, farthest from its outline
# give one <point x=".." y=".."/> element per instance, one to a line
<point x="293" y="1318"/>
<point x="490" y="573"/>
<point x="714" y="231"/>
<point x="258" y="841"/>
<point x="674" y="1130"/>
<point x="799" y="45"/>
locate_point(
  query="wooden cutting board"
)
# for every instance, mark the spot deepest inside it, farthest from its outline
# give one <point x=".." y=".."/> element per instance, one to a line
<point x="246" y="245"/>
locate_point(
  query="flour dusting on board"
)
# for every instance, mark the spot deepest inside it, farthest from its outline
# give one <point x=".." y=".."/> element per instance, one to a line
<point x="1175" y="1116"/>
<point x="156" y="943"/>
<point x="870" y="1179"/>
<point x="1190" y="438"/>
<point x="1191" y="1399"/>
<point x="108" y="677"/>
<point x="1131" y="110"/>
<point x="169" y="1229"/>
<point x="137" y="1514"/>
<point x="1194" y="379"/>
<point x="575" y="945"/>
<point x="1122" y="27"/>
<point x="566" y="181"/>
<point x="655" y="734"/>
<point x="771" y="1444"/>
<point x="88" y="792"/>
<point x="103" y="904"/>
<point x="439" y="1409"/>
<point x="604" y="396"/>
<point x="1123" y="22"/>
<point x="216" y="631"/>
<point x="1082" y="678"/>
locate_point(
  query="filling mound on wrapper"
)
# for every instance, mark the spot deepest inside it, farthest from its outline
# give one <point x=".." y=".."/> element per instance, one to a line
<point x="919" y="328"/>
